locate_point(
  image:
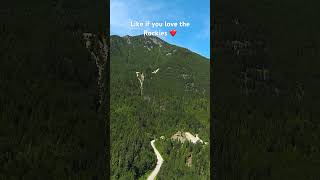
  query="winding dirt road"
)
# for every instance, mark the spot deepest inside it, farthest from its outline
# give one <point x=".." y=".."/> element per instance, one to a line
<point x="159" y="162"/>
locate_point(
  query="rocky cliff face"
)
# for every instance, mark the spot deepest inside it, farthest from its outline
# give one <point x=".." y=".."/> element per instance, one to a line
<point x="97" y="45"/>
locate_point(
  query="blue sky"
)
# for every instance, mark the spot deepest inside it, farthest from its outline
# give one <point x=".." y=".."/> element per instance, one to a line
<point x="196" y="37"/>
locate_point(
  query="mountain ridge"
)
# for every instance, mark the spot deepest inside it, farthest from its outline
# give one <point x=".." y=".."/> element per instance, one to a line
<point x="177" y="65"/>
<point x="157" y="38"/>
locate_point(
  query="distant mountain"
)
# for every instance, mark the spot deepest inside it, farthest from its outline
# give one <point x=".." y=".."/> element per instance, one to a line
<point x="157" y="89"/>
<point x="178" y="67"/>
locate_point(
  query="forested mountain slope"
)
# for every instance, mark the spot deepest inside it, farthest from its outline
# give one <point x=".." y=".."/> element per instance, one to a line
<point x="175" y="96"/>
<point x="52" y="125"/>
<point x="266" y="90"/>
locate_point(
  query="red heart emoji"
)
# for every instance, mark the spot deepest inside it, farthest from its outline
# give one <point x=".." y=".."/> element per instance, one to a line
<point x="173" y="32"/>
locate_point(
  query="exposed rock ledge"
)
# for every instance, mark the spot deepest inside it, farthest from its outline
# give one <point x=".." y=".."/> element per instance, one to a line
<point x="187" y="136"/>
